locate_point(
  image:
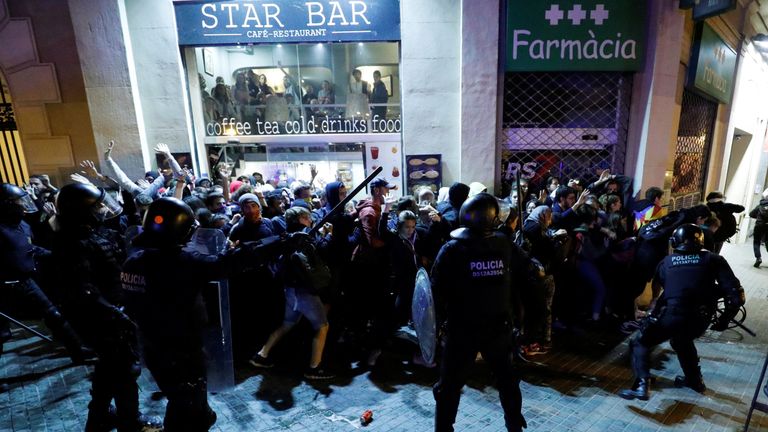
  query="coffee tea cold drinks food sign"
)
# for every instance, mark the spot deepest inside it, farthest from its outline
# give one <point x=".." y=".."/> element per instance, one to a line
<point x="583" y="35"/>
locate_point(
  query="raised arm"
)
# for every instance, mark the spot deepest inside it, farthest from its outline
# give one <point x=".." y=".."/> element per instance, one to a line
<point x="285" y="72"/>
<point x="181" y="180"/>
<point x="165" y="151"/>
<point x="122" y="178"/>
<point x="224" y="172"/>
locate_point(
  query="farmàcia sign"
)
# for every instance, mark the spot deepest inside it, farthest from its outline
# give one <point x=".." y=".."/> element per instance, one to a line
<point x="576" y="35"/>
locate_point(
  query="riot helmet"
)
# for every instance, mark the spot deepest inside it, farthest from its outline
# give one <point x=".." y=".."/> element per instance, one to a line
<point x="479" y="215"/>
<point x="85" y="204"/>
<point x="168" y="222"/>
<point x="687" y="238"/>
<point x="14" y="202"/>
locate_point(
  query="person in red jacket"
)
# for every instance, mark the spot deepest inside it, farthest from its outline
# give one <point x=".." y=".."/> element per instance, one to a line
<point x="372" y="264"/>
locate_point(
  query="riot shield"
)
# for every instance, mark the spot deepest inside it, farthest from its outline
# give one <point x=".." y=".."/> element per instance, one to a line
<point x="207" y="241"/>
<point x="217" y="335"/>
<point x="131" y="233"/>
<point x="424" y="317"/>
<point x="504" y="210"/>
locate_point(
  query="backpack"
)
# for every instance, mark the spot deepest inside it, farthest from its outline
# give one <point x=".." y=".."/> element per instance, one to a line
<point x="661" y="228"/>
<point x="304" y="268"/>
<point x="762" y="212"/>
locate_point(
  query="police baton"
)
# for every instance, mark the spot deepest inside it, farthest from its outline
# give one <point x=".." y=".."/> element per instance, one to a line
<point x="743" y="327"/>
<point x="343" y="203"/>
<point x="26" y="327"/>
<point x="733" y="322"/>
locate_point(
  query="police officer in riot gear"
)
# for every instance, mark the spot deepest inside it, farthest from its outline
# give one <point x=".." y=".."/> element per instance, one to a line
<point x="87" y="259"/>
<point x="170" y="310"/>
<point x="472" y="280"/>
<point x="18" y="256"/>
<point x="693" y="280"/>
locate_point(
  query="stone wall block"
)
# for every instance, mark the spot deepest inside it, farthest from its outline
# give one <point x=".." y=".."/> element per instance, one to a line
<point x="34" y="85"/>
<point x="18" y="44"/>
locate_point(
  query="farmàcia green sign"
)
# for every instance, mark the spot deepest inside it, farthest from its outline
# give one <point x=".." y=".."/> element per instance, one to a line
<point x="713" y="64"/>
<point x="575" y="35"/>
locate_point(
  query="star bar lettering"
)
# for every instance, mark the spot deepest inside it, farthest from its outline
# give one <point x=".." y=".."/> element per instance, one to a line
<point x="263" y="20"/>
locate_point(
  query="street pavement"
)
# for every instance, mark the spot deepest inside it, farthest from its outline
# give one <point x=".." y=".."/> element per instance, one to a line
<point x="571" y="389"/>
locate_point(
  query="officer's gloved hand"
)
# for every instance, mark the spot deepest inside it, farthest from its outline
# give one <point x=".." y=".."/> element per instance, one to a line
<point x="720" y="325"/>
<point x="122" y="320"/>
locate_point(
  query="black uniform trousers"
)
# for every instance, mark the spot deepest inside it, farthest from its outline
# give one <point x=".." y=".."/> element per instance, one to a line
<point x="116" y="371"/>
<point x="182" y="378"/>
<point x="28" y="295"/>
<point x="461" y="349"/>
<point x="681" y="326"/>
<point x="760" y="237"/>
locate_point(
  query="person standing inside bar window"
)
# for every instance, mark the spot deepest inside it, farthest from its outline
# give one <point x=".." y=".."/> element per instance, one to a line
<point x="379" y="95"/>
<point x="356" y="84"/>
<point x="291" y="87"/>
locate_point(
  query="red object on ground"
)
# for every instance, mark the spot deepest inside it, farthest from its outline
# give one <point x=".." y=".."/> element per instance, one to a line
<point x="366" y="418"/>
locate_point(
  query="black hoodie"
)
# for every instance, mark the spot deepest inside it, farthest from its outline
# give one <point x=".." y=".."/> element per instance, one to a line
<point x="760" y="212"/>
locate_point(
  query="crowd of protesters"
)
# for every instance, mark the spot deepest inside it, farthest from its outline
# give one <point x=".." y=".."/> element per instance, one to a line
<point x="589" y="246"/>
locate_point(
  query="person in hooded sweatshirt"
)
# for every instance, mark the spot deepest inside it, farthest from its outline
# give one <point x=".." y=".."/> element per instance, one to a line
<point x="304" y="275"/>
<point x="449" y="210"/>
<point x="340" y="246"/>
<point x="449" y="213"/>
<point x="371" y="265"/>
<point x="724" y="211"/>
<point x="760" y="212"/>
<point x="254" y="311"/>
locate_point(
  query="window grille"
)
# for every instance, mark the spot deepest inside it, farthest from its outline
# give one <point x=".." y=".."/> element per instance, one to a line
<point x="567" y="125"/>
<point x="694" y="140"/>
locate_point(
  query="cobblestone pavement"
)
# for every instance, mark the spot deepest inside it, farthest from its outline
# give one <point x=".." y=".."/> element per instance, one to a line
<point x="568" y="392"/>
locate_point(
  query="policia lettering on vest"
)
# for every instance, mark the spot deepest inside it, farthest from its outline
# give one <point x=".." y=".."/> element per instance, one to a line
<point x="487" y="268"/>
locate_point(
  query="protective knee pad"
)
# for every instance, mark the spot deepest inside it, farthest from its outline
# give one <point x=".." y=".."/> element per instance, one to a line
<point x="135" y="369"/>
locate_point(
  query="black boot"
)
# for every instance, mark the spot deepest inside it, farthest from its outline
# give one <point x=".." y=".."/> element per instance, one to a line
<point x="695" y="383"/>
<point x="100" y="420"/>
<point x="758" y="261"/>
<point x="641" y="390"/>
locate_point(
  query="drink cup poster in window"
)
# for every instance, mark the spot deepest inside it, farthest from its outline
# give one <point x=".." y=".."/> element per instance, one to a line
<point x="387" y="155"/>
